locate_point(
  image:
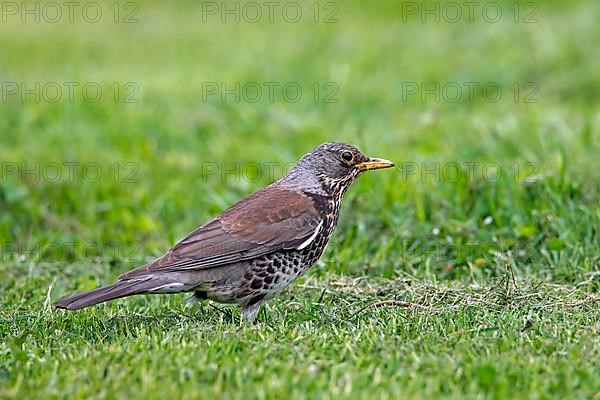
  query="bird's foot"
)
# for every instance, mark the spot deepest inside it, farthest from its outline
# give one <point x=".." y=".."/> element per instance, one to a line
<point x="249" y="313"/>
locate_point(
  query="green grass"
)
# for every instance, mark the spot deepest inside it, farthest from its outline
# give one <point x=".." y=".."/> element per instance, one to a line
<point x="508" y="267"/>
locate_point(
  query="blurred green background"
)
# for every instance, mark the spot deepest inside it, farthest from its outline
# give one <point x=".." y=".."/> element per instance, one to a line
<point x="157" y="132"/>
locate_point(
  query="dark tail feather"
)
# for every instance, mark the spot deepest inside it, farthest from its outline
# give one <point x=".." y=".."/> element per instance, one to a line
<point x="106" y="293"/>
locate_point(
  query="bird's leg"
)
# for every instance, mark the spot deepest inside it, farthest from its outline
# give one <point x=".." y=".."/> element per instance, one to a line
<point x="250" y="312"/>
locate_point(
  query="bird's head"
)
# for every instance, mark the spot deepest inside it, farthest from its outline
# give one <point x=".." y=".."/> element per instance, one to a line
<point x="337" y="165"/>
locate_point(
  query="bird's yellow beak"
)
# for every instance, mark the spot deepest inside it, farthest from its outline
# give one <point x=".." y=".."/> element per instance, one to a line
<point x="374" y="163"/>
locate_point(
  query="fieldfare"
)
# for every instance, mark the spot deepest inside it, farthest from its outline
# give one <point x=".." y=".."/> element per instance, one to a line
<point x="257" y="247"/>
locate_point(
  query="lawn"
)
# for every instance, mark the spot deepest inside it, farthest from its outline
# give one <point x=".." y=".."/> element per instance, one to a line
<point x="122" y="131"/>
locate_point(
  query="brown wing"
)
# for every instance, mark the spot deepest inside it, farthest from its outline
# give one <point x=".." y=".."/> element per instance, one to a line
<point x="269" y="220"/>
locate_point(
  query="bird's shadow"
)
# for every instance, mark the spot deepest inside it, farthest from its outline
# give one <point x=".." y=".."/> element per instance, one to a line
<point x="113" y="324"/>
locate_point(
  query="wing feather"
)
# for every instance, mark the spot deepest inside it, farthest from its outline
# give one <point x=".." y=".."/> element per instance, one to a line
<point x="267" y="221"/>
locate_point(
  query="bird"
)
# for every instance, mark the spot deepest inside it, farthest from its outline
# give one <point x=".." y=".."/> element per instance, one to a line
<point x="258" y="246"/>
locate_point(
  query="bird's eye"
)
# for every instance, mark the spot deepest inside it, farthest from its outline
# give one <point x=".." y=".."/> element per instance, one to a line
<point x="347" y="156"/>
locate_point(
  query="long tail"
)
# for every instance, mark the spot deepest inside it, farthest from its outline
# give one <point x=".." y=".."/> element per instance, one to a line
<point x="109" y="292"/>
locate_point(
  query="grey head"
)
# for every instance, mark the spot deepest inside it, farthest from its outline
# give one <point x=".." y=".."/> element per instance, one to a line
<point x="331" y="168"/>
